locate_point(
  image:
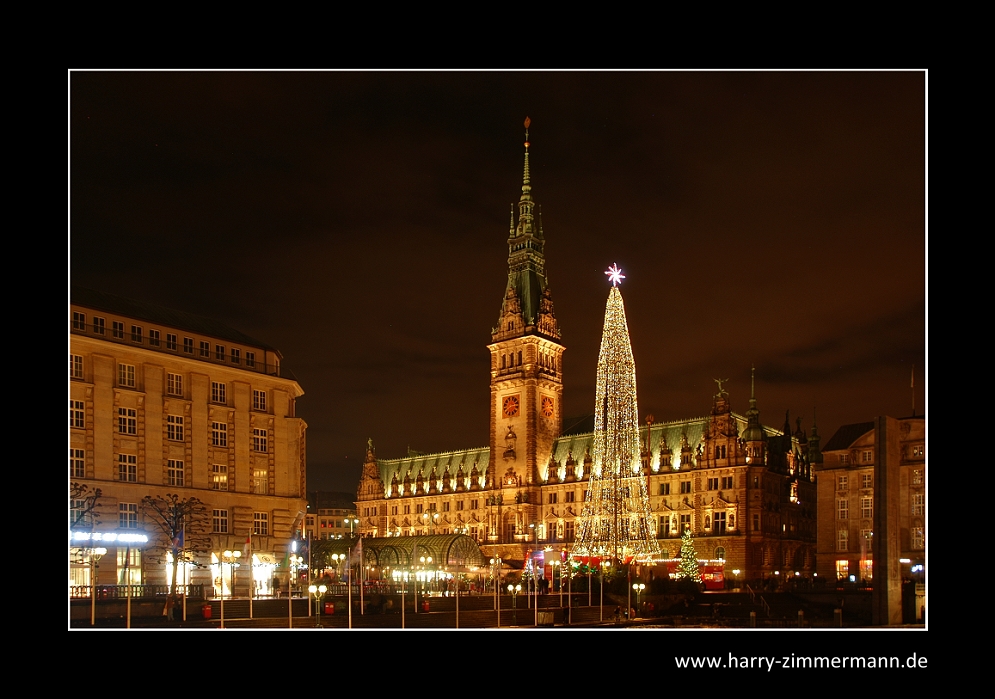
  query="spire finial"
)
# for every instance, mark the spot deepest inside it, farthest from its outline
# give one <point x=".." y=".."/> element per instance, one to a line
<point x="526" y="179"/>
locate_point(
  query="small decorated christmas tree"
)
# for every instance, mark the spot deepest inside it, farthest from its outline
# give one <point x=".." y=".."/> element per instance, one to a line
<point x="689" y="559"/>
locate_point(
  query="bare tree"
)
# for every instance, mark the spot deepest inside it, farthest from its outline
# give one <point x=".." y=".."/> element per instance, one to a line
<point x="83" y="504"/>
<point x="181" y="528"/>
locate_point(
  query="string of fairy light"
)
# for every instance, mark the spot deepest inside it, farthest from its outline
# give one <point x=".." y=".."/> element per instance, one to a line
<point x="617" y="520"/>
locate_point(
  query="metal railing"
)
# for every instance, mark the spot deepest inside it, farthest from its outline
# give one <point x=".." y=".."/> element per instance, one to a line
<point x="108" y="592"/>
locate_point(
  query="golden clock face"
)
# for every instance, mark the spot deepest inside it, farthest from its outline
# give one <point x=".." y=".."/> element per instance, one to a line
<point x="547" y="407"/>
<point x="511" y="406"/>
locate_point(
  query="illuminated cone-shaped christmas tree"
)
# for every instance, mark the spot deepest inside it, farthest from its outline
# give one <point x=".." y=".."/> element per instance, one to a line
<point x="689" y="559"/>
<point x="617" y="522"/>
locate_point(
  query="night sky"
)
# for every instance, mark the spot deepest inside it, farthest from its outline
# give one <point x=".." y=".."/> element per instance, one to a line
<point x="358" y="221"/>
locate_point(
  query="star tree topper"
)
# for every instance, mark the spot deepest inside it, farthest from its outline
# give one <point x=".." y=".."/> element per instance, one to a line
<point x="615" y="275"/>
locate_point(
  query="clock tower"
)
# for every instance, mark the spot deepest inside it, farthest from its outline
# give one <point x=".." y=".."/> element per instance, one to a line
<point x="526" y="371"/>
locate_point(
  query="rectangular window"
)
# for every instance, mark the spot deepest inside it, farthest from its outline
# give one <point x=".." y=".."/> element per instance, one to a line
<point x="174" y="428"/>
<point x="918" y="504"/>
<point x="260" y="440"/>
<point x="552" y="498"/>
<point x="866" y="456"/>
<point x="75" y="366"/>
<point x="117" y="329"/>
<point x="98" y="325"/>
<point x="259" y="400"/>
<point x="127" y="515"/>
<point x="260" y="523"/>
<point x="250" y="359"/>
<point x="418" y="509"/>
<point x="445" y="507"/>
<point x="127" y="468"/>
<point x="867" y="508"/>
<point x="154" y="338"/>
<point x="219" y="352"/>
<point x="136" y="333"/>
<point x="188" y="345"/>
<point x="842" y="569"/>
<point x="570" y="495"/>
<point x="844" y="458"/>
<point x="174" y="472"/>
<point x="917" y="476"/>
<point x="727" y="483"/>
<point x="719" y="523"/>
<point x="685" y="523"/>
<point x="842" y="508"/>
<point x="756" y="523"/>
<point x="568" y="531"/>
<point x="220" y="521"/>
<point x="918" y="451"/>
<point x="127" y="421"/>
<point x="236" y="356"/>
<point x="219" y="393"/>
<point x="685" y="487"/>
<point x="79" y="321"/>
<point x="842" y="539"/>
<point x="219" y="477"/>
<point x="126" y="375"/>
<point x="171" y="341"/>
<point x="78" y="516"/>
<point x="713" y="484"/>
<point x="474" y="504"/>
<point x="459" y="505"/>
<point x="174" y="384"/>
<point x="866" y="480"/>
<point x="407" y="509"/>
<point x="665" y="489"/>
<point x="918" y="538"/>
<point x="260" y="478"/>
<point x="205" y="349"/>
<point x="77" y="464"/>
<point x="219" y="434"/>
<point x="842" y="482"/>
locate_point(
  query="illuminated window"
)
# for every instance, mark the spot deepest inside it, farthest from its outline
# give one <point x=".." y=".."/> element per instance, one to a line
<point x="867" y="508"/>
<point x="260" y="440"/>
<point x="219" y="434"/>
<point x="154" y="338"/>
<point x="127" y="515"/>
<point x="136" y="333"/>
<point x="127" y="421"/>
<point x="219" y="392"/>
<point x="205" y="349"/>
<point x="220" y="521"/>
<point x="174" y="428"/>
<point x="129" y="566"/>
<point x="117" y="330"/>
<point x="918" y="504"/>
<point x="219" y="352"/>
<point x="75" y="366"/>
<point x="917" y="476"/>
<point x="219" y="477"/>
<point x="127" y="468"/>
<point x="260" y="478"/>
<point x="842" y="482"/>
<point x="842" y="539"/>
<point x="77" y="465"/>
<point x="174" y="384"/>
<point x="250" y="359"/>
<point x="842" y="569"/>
<point x="866" y="569"/>
<point x="685" y="524"/>
<point x="918" y="538"/>
<point x="260" y="523"/>
<point x="188" y="345"/>
<point x="719" y="523"/>
<point x="236" y="356"/>
<point x="259" y="400"/>
<point x="98" y="325"/>
<point x="918" y="451"/>
<point x="126" y="375"/>
<point x="842" y="508"/>
<point x="866" y="456"/>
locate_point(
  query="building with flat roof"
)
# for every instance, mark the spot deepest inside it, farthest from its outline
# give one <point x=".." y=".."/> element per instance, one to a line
<point x="164" y="403"/>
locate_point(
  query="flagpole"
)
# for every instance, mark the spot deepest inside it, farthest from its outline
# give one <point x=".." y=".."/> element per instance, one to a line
<point x="349" y="583"/>
<point x="252" y="572"/>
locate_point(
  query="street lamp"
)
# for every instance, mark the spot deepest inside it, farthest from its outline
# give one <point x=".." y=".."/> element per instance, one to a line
<point x="638" y="587"/>
<point x="338" y="559"/>
<point x="95" y="555"/>
<point x="514" y="589"/>
<point x="425" y="561"/>
<point x="318" y="591"/>
<point x="352" y="522"/>
<point x="231" y="558"/>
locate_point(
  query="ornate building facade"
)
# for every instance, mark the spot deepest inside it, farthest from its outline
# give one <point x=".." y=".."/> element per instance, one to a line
<point x="161" y="403"/>
<point x="745" y="490"/>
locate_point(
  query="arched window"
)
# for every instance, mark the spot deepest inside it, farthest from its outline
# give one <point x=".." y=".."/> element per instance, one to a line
<point x="720" y="553"/>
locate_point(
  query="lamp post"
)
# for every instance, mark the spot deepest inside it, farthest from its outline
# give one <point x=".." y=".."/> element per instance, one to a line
<point x="231" y="558"/>
<point x="318" y="591"/>
<point x="352" y="522"/>
<point x="338" y="559"/>
<point x="638" y="587"/>
<point x="95" y="555"/>
<point x="426" y="561"/>
<point x="295" y="562"/>
<point x="514" y="589"/>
